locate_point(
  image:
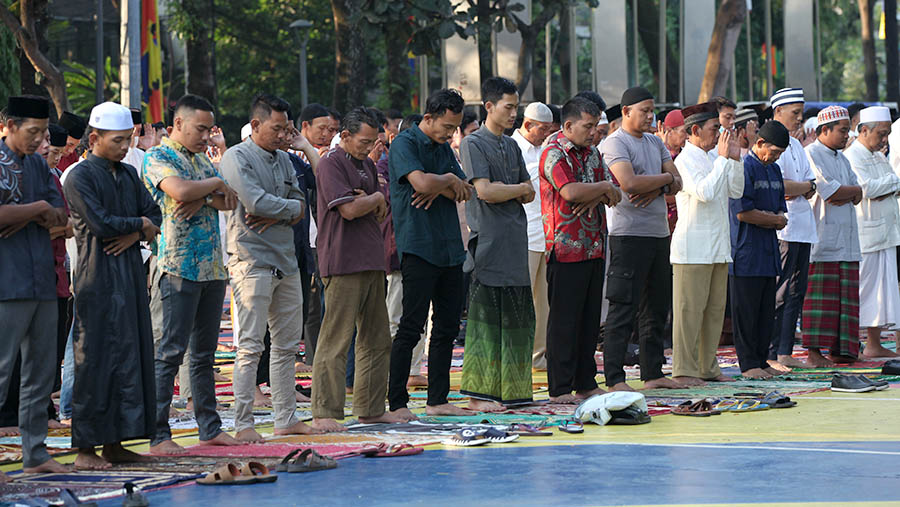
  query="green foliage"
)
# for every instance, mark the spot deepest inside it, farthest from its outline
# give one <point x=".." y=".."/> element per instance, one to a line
<point x="9" y="65"/>
<point x="81" y="85"/>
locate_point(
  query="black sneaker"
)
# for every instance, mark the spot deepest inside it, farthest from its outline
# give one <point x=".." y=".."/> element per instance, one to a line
<point x="880" y="385"/>
<point x="850" y="384"/>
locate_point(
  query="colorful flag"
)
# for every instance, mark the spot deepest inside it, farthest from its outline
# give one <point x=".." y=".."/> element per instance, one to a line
<point x="151" y="61"/>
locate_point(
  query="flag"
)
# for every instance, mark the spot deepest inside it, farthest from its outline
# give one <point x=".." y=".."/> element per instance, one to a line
<point x="151" y="61"/>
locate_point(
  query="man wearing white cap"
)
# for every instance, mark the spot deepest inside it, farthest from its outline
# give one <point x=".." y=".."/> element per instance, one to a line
<point x="530" y="138"/>
<point x="114" y="393"/>
<point x="831" y="308"/>
<point x="797" y="238"/>
<point x="602" y="129"/>
<point x="879" y="234"/>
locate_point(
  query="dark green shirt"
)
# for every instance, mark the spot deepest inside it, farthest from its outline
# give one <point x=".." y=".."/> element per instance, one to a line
<point x="431" y="234"/>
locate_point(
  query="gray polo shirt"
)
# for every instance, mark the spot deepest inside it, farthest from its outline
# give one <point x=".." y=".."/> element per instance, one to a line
<point x="646" y="154"/>
<point x="498" y="242"/>
<point x="267" y="187"/>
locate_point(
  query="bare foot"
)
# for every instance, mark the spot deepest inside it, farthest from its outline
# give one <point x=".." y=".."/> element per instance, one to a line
<point x="404" y="415"/>
<point x="53" y="424"/>
<point x="485" y="406"/>
<point x="417" y="381"/>
<point x="167" y="448"/>
<point x="566" y="399"/>
<point x="49" y="466"/>
<point x="223" y="439"/>
<point x="778" y="367"/>
<point x="249" y="436"/>
<point x="756" y="373"/>
<point x="328" y="426"/>
<point x="260" y="399"/>
<point x="447" y="409"/>
<point x="302" y="398"/>
<point x="774" y="371"/>
<point x="817" y="360"/>
<point x="662" y="383"/>
<point x="583" y="395"/>
<point x="87" y="459"/>
<point x="721" y="378"/>
<point x="219" y="378"/>
<point x="791" y="361"/>
<point x="622" y="386"/>
<point x="301" y="367"/>
<point x="115" y="453"/>
<point x="173" y="413"/>
<point x="9" y="431"/>
<point x="387" y="417"/>
<point x="299" y="428"/>
<point x="689" y="381"/>
<point x="873" y="351"/>
<point x="66" y="422"/>
<point x="349" y="390"/>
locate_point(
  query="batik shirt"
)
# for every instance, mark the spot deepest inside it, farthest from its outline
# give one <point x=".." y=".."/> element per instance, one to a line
<point x="570" y="238"/>
<point x="189" y="248"/>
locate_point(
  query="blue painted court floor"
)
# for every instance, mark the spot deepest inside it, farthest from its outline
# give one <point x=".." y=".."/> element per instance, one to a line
<point x="593" y="474"/>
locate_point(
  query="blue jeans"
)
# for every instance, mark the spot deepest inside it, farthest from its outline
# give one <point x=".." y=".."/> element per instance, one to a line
<point x="68" y="379"/>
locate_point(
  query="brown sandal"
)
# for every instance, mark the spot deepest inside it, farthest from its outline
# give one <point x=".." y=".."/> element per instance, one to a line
<point x="222" y="476"/>
<point x="700" y="408"/>
<point x="257" y="472"/>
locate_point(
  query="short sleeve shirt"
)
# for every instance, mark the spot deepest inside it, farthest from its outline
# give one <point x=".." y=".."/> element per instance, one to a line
<point x="570" y="238"/>
<point x="753" y="248"/>
<point x="432" y="234"/>
<point x="190" y="249"/>
<point x="346" y="246"/>
<point x="498" y="238"/>
<point x="646" y="154"/>
<point x="836" y="226"/>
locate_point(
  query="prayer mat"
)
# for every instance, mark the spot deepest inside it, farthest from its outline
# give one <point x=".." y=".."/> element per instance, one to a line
<point x="495" y="419"/>
<point x="86" y="485"/>
<point x="413" y="428"/>
<point x="271" y="450"/>
<point x="729" y="389"/>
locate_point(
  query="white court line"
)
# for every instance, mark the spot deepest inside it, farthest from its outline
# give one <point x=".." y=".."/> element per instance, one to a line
<point x="853" y="398"/>
<point x="725" y="446"/>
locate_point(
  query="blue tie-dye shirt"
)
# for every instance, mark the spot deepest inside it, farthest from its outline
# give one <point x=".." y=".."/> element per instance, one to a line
<point x="190" y="248"/>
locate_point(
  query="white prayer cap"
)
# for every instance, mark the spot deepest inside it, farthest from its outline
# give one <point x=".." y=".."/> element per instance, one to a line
<point x="111" y="116"/>
<point x="786" y="96"/>
<point x="603" y="119"/>
<point x="246" y="130"/>
<point x="875" y="114"/>
<point x="832" y="114"/>
<point x="811" y="123"/>
<point x="538" y="111"/>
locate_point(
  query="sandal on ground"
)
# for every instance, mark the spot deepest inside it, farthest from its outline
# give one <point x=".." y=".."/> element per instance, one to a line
<point x="700" y="408"/>
<point x="467" y="438"/>
<point x="222" y="476"/>
<point x="307" y="461"/>
<point x="397" y="450"/>
<point x="572" y="426"/>
<point x="741" y="406"/>
<point x="258" y="472"/>
<point x="499" y="437"/>
<point x="778" y="400"/>
<point x="527" y="430"/>
<point x="629" y="416"/>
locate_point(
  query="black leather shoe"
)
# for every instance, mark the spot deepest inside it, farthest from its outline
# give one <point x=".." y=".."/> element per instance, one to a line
<point x="850" y="384"/>
<point x="880" y="385"/>
<point x="891" y="367"/>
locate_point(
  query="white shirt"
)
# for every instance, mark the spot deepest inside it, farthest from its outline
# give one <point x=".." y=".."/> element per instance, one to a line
<point x="702" y="233"/>
<point x="894" y="144"/>
<point x="71" y="246"/>
<point x="135" y="158"/>
<point x="835" y="225"/>
<point x="879" y="221"/>
<point x="532" y="156"/>
<point x="801" y="226"/>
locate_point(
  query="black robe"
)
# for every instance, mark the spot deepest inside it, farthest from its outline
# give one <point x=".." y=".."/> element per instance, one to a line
<point x="114" y="394"/>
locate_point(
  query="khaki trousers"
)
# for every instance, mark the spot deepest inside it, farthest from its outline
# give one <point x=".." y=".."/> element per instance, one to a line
<point x="260" y="298"/>
<point x="698" y="309"/>
<point x="354" y="301"/>
<point x="537" y="266"/>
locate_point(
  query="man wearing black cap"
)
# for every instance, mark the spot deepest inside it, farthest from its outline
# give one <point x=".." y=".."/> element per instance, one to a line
<point x="30" y="205"/>
<point x="640" y="276"/>
<point x="75" y="127"/>
<point x="754" y="247"/>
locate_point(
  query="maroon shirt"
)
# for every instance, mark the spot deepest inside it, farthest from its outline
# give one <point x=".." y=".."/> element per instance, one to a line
<point x="346" y="246"/>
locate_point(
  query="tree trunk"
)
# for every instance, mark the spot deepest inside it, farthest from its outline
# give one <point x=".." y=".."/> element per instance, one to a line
<point x="648" y="29"/>
<point x="485" y="39"/>
<point x="891" y="51"/>
<point x="27" y="36"/>
<point x="529" y="33"/>
<point x="720" y="57"/>
<point x="349" y="57"/>
<point x="200" y="52"/>
<point x="565" y="47"/>
<point x="398" y="78"/>
<point x="868" y="47"/>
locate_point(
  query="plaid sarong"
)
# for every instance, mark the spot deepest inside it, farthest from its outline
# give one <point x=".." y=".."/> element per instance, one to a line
<point x="831" y="308"/>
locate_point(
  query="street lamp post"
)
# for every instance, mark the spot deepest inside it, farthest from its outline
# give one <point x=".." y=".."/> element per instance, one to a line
<point x="300" y="28"/>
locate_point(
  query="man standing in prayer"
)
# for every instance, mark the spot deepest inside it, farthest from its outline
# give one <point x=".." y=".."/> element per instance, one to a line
<point x="426" y="184"/>
<point x="640" y="276"/>
<point x="114" y="393"/>
<point x="30" y="205"/>
<point x="263" y="266"/>
<point x="701" y="245"/>
<point x="831" y="310"/>
<point x="573" y="192"/>
<point x="879" y="234"/>
<point x="755" y="217"/>
<point x="75" y="127"/>
<point x="500" y="329"/>
<point x="530" y="138"/>
<point x="797" y="238"/>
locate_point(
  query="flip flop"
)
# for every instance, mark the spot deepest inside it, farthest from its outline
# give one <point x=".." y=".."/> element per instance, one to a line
<point x="499" y="437"/>
<point x="572" y="426"/>
<point x="258" y="472"/>
<point x="311" y="461"/>
<point x="371" y="451"/>
<point x="222" y="476"/>
<point x="397" y="450"/>
<point x="700" y="408"/>
<point x="527" y="430"/>
<point x="629" y="416"/>
<point x="467" y="438"/>
<point x="778" y="400"/>
<point x="749" y="406"/>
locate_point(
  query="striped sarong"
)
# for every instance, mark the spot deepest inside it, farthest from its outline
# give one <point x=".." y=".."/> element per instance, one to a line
<point x="831" y="308"/>
<point x="499" y="342"/>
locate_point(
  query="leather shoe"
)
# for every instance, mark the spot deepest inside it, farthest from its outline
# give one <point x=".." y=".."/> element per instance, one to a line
<point x="850" y="384"/>
<point x="880" y="385"/>
<point x="891" y="367"/>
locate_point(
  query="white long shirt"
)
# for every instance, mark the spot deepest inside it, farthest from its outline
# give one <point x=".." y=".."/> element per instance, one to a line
<point x="878" y="221"/>
<point x="801" y="226"/>
<point x="532" y="156"/>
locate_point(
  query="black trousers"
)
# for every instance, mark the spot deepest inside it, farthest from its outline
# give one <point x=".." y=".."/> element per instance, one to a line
<point x="639" y="283"/>
<point x="425" y="284"/>
<point x="575" y="291"/>
<point x="753" y="316"/>
<point x="790" y="291"/>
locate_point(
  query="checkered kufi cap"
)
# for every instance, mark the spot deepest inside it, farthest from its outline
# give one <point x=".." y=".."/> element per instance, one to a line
<point x="832" y="114"/>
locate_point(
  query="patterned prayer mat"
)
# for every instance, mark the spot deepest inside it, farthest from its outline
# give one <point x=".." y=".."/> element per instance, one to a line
<point x="87" y="485"/>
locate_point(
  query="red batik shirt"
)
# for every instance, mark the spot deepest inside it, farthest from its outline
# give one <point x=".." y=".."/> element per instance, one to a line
<point x="570" y="238"/>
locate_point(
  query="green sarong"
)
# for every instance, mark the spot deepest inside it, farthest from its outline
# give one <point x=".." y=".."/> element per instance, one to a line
<point x="499" y="342"/>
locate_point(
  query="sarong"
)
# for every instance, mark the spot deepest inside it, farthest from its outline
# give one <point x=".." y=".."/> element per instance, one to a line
<point x="499" y="341"/>
<point x="831" y="308"/>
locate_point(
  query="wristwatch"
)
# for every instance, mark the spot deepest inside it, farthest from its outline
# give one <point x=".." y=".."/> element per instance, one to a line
<point x="812" y="184"/>
<point x="209" y="200"/>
